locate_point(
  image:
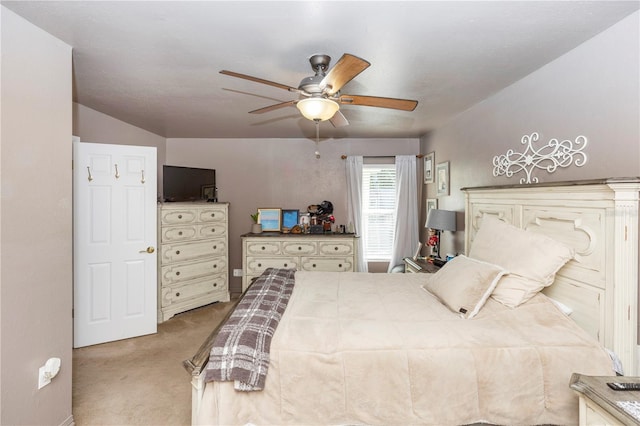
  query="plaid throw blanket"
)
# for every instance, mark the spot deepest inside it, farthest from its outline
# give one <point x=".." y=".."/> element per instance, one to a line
<point x="240" y="351"/>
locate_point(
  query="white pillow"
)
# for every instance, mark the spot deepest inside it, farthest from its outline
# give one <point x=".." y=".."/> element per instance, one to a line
<point x="464" y="284"/>
<point x="532" y="259"/>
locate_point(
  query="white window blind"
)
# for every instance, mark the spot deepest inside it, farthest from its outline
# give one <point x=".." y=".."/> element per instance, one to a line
<point x="378" y="210"/>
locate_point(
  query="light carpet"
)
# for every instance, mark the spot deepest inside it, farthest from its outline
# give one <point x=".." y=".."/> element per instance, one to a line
<point x="141" y="381"/>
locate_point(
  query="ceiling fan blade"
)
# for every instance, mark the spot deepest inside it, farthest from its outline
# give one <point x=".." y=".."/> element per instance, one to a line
<point x="343" y="72"/>
<point x="375" y="101"/>
<point x="273" y="107"/>
<point x="259" y="80"/>
<point x="339" y="120"/>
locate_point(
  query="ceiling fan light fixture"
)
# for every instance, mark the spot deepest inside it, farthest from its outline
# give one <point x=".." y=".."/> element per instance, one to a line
<point x="317" y="108"/>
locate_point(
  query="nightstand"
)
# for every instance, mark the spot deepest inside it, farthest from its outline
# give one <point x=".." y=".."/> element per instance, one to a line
<point x="413" y="266"/>
<point x="598" y="404"/>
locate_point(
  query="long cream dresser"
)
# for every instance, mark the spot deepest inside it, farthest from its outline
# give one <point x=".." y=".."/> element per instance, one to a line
<point x="193" y="257"/>
<point x="304" y="252"/>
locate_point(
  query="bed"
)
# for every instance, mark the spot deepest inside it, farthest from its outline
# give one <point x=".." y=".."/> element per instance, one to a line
<point x="357" y="348"/>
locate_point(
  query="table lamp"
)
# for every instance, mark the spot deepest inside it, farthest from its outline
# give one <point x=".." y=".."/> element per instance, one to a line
<point x="440" y="220"/>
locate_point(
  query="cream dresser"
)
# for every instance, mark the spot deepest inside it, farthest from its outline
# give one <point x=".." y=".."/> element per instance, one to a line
<point x="193" y="257"/>
<point x="304" y="252"/>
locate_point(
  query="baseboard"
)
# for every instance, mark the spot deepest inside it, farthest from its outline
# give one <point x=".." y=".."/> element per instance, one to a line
<point x="68" y="421"/>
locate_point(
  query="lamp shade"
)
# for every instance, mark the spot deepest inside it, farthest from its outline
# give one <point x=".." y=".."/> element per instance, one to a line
<point x="443" y="220"/>
<point x="318" y="108"/>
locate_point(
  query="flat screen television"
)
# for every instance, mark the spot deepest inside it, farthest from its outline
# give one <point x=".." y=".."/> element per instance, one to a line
<point x="188" y="184"/>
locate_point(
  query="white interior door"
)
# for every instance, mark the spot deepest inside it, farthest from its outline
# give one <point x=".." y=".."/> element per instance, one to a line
<point x="114" y="215"/>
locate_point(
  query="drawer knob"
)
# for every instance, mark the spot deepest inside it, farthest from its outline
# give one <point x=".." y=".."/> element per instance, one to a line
<point x="299" y="248"/>
<point x="215" y="284"/>
<point x="335" y="248"/>
<point x="314" y="265"/>
<point x="179" y="232"/>
<point x="179" y="216"/>
<point x="285" y="265"/>
<point x="339" y="265"/>
<point x="177" y="251"/>
<point x="177" y="273"/>
<point x="259" y="265"/>
<point x="263" y="248"/>
<point x="213" y="230"/>
<point x="213" y="215"/>
<point x="215" y="265"/>
<point x="178" y="294"/>
<point x="215" y="247"/>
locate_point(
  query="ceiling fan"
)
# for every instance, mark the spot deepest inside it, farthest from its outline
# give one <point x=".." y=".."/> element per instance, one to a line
<point x="320" y="96"/>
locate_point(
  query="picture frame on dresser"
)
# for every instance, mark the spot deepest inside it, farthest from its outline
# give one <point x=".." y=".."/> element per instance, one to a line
<point x="208" y="192"/>
<point x="290" y="218"/>
<point x="270" y="219"/>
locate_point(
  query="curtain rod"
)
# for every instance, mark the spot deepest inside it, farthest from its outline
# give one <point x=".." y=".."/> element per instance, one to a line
<point x="344" y="157"/>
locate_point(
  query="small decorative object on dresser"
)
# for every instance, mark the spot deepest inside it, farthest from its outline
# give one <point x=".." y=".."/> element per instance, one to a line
<point x="256" y="228"/>
<point x="193" y="256"/>
<point x="289" y="219"/>
<point x="270" y="219"/>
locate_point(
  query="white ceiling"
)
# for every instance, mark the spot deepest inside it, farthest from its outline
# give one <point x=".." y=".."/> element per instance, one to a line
<point x="156" y="64"/>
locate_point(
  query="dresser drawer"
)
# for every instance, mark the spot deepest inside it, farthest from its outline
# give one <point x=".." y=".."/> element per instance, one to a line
<point x="188" y="271"/>
<point x="327" y="264"/>
<point x="212" y="214"/>
<point x="300" y="248"/>
<point x="178" y="252"/>
<point x="257" y="265"/>
<point x="178" y="233"/>
<point x="212" y="230"/>
<point x="178" y="216"/>
<point x="336" y="248"/>
<point x="265" y="248"/>
<point x="192" y="289"/>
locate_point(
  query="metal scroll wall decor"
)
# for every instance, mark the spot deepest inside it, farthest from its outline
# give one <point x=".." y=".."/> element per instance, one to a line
<point x="549" y="157"/>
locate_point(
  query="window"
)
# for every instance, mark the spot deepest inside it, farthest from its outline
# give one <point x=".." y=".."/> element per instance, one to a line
<point x="378" y="210"/>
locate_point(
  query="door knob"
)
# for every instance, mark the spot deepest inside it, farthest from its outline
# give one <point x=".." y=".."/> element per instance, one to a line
<point x="148" y="250"/>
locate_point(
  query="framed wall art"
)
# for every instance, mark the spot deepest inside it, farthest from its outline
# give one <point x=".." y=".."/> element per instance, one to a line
<point x="429" y="162"/>
<point x="432" y="203"/>
<point x="270" y="219"/>
<point x="442" y="178"/>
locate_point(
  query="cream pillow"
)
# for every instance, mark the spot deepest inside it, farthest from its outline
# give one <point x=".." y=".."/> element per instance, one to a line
<point x="532" y="259"/>
<point x="464" y="284"/>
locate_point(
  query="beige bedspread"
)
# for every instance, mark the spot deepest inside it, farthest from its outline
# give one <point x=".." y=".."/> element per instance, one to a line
<point x="360" y="348"/>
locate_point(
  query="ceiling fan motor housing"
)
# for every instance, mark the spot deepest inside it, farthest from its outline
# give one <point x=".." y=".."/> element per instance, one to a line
<point x="311" y="85"/>
<point x="320" y="62"/>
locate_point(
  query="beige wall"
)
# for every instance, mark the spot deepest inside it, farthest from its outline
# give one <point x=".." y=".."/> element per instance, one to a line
<point x="284" y="173"/>
<point x="36" y="224"/>
<point x="93" y="126"/>
<point x="591" y="91"/>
